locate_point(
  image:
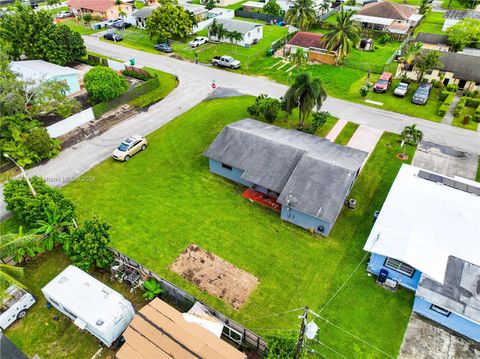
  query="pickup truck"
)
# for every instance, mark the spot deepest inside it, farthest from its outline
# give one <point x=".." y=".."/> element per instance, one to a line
<point x="226" y="61"/>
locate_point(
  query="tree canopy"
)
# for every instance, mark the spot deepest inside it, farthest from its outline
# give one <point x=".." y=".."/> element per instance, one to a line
<point x="301" y="14"/>
<point x="103" y="84"/>
<point x="272" y="8"/>
<point x="35" y="35"/>
<point x="427" y="61"/>
<point x="465" y="33"/>
<point x="169" y="20"/>
<point x="344" y="32"/>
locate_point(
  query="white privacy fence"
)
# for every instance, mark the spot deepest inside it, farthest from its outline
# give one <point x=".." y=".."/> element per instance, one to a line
<point x="70" y="123"/>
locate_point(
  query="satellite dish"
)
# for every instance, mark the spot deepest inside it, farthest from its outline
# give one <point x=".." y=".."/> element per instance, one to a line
<point x="312" y="330"/>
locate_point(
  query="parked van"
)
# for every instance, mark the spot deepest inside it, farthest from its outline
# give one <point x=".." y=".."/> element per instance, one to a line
<point x="91" y="305"/>
<point x="14" y="306"/>
<point x="383" y="83"/>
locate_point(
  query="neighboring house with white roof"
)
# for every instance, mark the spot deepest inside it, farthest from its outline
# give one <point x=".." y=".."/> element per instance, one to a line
<point x="251" y="32"/>
<point x="426" y="238"/>
<point x="388" y="17"/>
<point x="39" y="70"/>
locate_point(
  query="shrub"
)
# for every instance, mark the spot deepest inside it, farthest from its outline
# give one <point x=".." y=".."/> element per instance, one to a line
<point x="281" y="347"/>
<point x="137" y="75"/>
<point x="152" y="289"/>
<point x="89" y="245"/>
<point x="460" y="106"/>
<point x="466" y="119"/>
<point x="472" y="102"/>
<point x="364" y="91"/>
<point x="385" y="39"/>
<point x="443" y="95"/>
<point x="477" y="114"/>
<point x="38" y="141"/>
<point x="451" y="88"/>
<point x="443" y="109"/>
<point x="31" y="209"/>
<point x="266" y="106"/>
<point x="103" y="84"/>
<point x="449" y="99"/>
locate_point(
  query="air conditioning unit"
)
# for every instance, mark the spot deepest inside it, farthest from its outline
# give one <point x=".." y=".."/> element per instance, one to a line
<point x="392" y="283"/>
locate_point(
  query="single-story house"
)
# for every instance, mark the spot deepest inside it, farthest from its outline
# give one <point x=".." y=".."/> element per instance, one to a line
<point x="308" y="176"/>
<point x="459" y="69"/>
<point x="160" y="331"/>
<point x="252" y="32"/>
<point x="199" y="11"/>
<point x="39" y="70"/>
<point x="313" y="45"/>
<point x="388" y="17"/>
<point x="426" y="239"/>
<point x="105" y="9"/>
<point x="140" y="16"/>
<point x="454" y="16"/>
<point x="258" y="6"/>
<point x="433" y="41"/>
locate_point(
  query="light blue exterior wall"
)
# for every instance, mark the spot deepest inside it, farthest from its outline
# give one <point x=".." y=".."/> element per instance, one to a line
<point x="377" y="262"/>
<point x="234" y="174"/>
<point x="304" y="220"/>
<point x="453" y="321"/>
<point x="72" y="81"/>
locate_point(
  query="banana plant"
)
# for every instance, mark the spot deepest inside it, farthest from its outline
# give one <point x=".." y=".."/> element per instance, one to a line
<point x="152" y="289"/>
<point x="52" y="229"/>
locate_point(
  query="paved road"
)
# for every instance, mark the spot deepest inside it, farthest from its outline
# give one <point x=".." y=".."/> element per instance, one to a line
<point x="195" y="81"/>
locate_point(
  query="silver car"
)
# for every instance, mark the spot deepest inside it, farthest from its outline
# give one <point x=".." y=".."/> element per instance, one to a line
<point x="63" y="14"/>
<point x="401" y="89"/>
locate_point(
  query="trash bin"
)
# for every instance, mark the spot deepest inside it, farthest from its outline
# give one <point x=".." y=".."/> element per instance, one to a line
<point x="132" y="62"/>
<point x="270" y="52"/>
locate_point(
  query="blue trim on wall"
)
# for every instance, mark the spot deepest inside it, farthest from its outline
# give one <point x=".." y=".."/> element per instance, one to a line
<point x="72" y="81"/>
<point x="377" y="262"/>
<point x="234" y="174"/>
<point x="455" y="322"/>
<point x="304" y="220"/>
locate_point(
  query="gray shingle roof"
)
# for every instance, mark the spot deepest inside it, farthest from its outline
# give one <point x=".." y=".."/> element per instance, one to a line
<point x="238" y="25"/>
<point x="144" y="12"/>
<point x="465" y="67"/>
<point x="434" y="39"/>
<point x="317" y="172"/>
<point x="461" y="14"/>
<point x="460" y="292"/>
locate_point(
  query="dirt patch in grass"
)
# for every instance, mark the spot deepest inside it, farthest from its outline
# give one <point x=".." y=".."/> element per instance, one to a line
<point x="215" y="275"/>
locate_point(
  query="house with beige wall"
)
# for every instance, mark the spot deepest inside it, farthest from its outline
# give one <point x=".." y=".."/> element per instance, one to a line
<point x="459" y="69"/>
<point x="104" y="9"/>
<point x="313" y="45"/>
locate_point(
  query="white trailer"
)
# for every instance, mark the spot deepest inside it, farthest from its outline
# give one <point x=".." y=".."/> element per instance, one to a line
<point x="14" y="306"/>
<point x="91" y="305"/>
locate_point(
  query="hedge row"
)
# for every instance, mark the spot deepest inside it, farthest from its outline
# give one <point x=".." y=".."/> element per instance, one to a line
<point x="103" y="107"/>
<point x="459" y="109"/>
<point x="447" y="98"/>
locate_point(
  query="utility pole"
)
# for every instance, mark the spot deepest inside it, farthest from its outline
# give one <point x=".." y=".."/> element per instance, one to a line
<point x="301" y="336"/>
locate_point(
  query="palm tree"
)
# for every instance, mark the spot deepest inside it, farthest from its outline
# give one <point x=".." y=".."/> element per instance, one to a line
<point x="301" y="14"/>
<point x="305" y="94"/>
<point x="344" y="33"/>
<point x="10" y="244"/>
<point x="411" y="135"/>
<point x="412" y="51"/>
<point x="235" y="36"/>
<point x="324" y="7"/>
<point x="299" y="58"/>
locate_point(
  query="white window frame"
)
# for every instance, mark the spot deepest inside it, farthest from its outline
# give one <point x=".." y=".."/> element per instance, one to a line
<point x="399" y="266"/>
<point x="440" y="310"/>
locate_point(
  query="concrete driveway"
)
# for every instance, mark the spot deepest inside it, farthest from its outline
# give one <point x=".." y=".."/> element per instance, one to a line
<point x="445" y="160"/>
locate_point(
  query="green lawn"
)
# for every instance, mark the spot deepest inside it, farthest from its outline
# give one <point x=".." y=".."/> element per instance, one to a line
<point x="80" y="27"/>
<point x="139" y="39"/>
<point x="167" y="85"/>
<point x="458" y="121"/>
<point x="181" y="202"/>
<point x="139" y="4"/>
<point x="408" y="2"/>
<point x="432" y="23"/>
<point x="236" y="6"/>
<point x="371" y="60"/>
<point x="477" y="177"/>
<point x="346" y="134"/>
<point x="454" y="4"/>
<point x="39" y="333"/>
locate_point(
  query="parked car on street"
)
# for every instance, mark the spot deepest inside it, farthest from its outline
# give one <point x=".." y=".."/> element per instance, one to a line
<point x="14" y="306"/>
<point x="401" y="89"/>
<point x="198" y="41"/>
<point x="121" y="24"/>
<point x="420" y="96"/>
<point x="226" y="61"/>
<point x="129" y="147"/>
<point x="163" y="47"/>
<point x="383" y="83"/>
<point x="110" y="23"/>
<point x="63" y="14"/>
<point x="112" y="37"/>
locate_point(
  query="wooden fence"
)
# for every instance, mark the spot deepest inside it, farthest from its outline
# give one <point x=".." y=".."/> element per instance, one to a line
<point x="232" y="331"/>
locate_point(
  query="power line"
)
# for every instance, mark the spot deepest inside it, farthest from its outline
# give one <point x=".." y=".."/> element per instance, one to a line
<point x="352" y="335"/>
<point x="275" y="329"/>
<point x="329" y="348"/>
<point x="273" y="315"/>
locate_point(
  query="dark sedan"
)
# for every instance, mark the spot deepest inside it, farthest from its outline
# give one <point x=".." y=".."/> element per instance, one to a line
<point x="163" y="47"/>
<point x="121" y="24"/>
<point x="420" y="96"/>
<point x="112" y="37"/>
